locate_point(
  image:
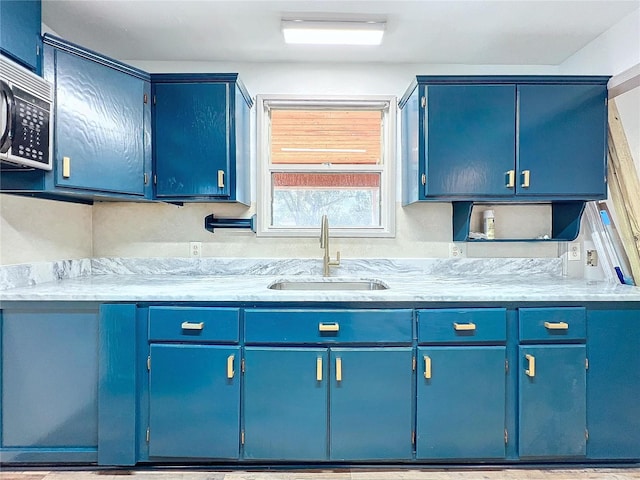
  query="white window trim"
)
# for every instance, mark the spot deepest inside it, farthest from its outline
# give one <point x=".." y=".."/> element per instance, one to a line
<point x="387" y="168"/>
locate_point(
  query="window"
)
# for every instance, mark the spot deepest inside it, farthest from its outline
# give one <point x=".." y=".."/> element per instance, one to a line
<point x="326" y="156"/>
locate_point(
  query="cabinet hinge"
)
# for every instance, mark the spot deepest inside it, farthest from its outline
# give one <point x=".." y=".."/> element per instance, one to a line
<point x="155" y="179"/>
<point x="38" y="50"/>
<point x="423" y="102"/>
<point x="154" y="99"/>
<point x="413" y="364"/>
<point x="413" y="438"/>
<point x="242" y="437"/>
<point x="506" y="436"/>
<point x="586" y="364"/>
<point x="148" y="434"/>
<point x="149" y="363"/>
<point x="506" y="366"/>
<point x="586" y="434"/>
<point x="145" y="98"/>
<point x="146" y="179"/>
<point x="242" y="365"/>
<point x="424" y="179"/>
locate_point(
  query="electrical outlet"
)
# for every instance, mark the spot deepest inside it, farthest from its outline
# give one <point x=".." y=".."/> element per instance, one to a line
<point x="456" y="250"/>
<point x="574" y="251"/>
<point x="195" y="249"/>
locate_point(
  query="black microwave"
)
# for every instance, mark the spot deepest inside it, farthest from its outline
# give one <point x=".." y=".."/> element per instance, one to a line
<point x="26" y="107"/>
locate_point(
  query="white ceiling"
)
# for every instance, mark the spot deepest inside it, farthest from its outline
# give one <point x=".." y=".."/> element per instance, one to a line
<point x="505" y="32"/>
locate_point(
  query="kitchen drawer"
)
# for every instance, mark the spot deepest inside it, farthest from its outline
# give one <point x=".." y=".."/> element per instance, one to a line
<point x="552" y="324"/>
<point x="467" y="325"/>
<point x="328" y="326"/>
<point x="192" y="324"/>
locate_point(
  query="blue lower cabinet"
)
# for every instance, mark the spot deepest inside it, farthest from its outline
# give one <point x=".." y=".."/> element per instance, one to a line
<point x="370" y="403"/>
<point x="461" y="402"/>
<point x="194" y="401"/>
<point x="613" y="384"/>
<point x="285" y="403"/>
<point x="552" y="401"/>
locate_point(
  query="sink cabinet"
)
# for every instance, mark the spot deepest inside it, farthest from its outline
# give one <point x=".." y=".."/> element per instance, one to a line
<point x="462" y="372"/>
<point x="327" y="403"/>
<point x="552" y="382"/>
<point x="504" y="138"/>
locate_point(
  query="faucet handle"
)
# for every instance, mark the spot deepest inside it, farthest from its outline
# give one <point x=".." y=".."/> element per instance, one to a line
<point x="336" y="262"/>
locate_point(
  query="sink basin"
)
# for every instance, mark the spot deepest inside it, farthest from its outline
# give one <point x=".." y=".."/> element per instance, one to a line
<point x="330" y="284"/>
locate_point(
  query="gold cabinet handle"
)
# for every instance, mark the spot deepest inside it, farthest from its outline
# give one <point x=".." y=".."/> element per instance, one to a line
<point x="329" y="327"/>
<point x="220" y="178"/>
<point x="66" y="167"/>
<point x="556" y="325"/>
<point x="230" y="371"/>
<point x="427" y="367"/>
<point x="192" y="326"/>
<point x="338" y="369"/>
<point x="511" y="178"/>
<point x="531" y="371"/>
<point x="319" y="369"/>
<point x="526" y="177"/>
<point x="461" y="327"/>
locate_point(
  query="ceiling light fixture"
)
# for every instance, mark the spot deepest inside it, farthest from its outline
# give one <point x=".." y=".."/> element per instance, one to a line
<point x="322" y="32"/>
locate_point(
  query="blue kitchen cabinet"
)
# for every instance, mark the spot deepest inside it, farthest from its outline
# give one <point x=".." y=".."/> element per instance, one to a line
<point x="552" y="382"/>
<point x="504" y="139"/>
<point x="20" y="22"/>
<point x="562" y="142"/>
<point x="49" y="385"/>
<point x="461" y="404"/>
<point x="285" y="403"/>
<point x="101" y="140"/>
<point x="613" y="383"/>
<point x="371" y="415"/>
<point x="194" y="401"/>
<point x="201" y="137"/>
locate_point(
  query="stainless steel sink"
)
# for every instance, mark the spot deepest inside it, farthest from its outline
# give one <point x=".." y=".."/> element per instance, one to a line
<point x="329" y="284"/>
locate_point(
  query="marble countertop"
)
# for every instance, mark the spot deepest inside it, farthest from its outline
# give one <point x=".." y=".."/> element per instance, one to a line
<point x="472" y="280"/>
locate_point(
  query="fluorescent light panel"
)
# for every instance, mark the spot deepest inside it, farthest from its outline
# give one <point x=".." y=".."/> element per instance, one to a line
<point x="332" y="33"/>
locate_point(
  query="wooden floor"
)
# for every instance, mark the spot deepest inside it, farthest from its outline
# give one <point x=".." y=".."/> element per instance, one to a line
<point x="341" y="474"/>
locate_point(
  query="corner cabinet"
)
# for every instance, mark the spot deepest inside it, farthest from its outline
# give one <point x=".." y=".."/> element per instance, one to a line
<point x="20" y="22"/>
<point x="201" y="137"/>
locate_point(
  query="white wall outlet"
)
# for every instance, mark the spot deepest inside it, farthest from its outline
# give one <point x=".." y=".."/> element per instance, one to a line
<point x="456" y="250"/>
<point x="195" y="249"/>
<point x="574" y="251"/>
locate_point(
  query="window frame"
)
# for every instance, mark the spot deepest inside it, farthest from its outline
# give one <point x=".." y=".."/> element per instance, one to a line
<point x="387" y="167"/>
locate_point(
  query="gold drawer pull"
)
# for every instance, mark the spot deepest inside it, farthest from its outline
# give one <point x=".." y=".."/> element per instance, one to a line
<point x="526" y="177"/>
<point x="461" y="327"/>
<point x="511" y="178"/>
<point x="338" y="369"/>
<point x="230" y="371"/>
<point x="531" y="371"/>
<point x="220" y="178"/>
<point x="556" y="325"/>
<point x="192" y="326"/>
<point x="66" y="167"/>
<point x="329" y="327"/>
<point x="427" y="367"/>
<point x="319" y="369"/>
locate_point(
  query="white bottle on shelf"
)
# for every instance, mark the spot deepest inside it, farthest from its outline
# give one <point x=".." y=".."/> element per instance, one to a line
<point x="489" y="224"/>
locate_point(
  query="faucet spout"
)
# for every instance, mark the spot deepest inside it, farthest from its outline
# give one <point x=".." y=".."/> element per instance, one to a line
<point x="324" y="244"/>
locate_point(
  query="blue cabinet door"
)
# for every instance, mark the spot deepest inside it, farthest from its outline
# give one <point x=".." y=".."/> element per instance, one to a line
<point x="285" y="403"/>
<point x="192" y="125"/>
<point x="461" y="404"/>
<point x="552" y="401"/>
<point x="371" y="409"/>
<point x="99" y="125"/>
<point x="562" y="140"/>
<point x="20" y="22"/>
<point x="470" y="139"/>
<point x="613" y="384"/>
<point x="194" y="401"/>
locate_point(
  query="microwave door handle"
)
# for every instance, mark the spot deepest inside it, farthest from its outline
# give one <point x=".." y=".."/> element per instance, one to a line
<point x="6" y="94"/>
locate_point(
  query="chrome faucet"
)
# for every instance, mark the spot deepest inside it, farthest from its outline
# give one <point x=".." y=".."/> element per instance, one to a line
<point x="324" y="243"/>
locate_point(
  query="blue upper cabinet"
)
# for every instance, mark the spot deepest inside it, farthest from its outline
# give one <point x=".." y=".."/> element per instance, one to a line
<point x="201" y="137"/>
<point x="504" y="138"/>
<point x="20" y="22"/>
